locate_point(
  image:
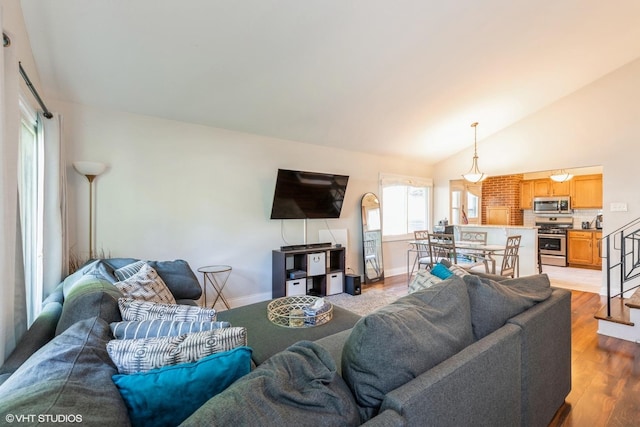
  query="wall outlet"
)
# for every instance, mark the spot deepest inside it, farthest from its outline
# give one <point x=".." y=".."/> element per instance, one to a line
<point x="618" y="207"/>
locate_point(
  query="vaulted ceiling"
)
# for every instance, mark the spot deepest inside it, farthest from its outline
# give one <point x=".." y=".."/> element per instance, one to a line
<point x="403" y="77"/>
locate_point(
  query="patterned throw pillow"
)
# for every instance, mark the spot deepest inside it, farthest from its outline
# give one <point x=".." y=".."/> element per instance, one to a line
<point x="146" y="310"/>
<point x="123" y="273"/>
<point x="161" y="328"/>
<point x="144" y="354"/>
<point x="458" y="271"/>
<point x="423" y="280"/>
<point x="146" y="285"/>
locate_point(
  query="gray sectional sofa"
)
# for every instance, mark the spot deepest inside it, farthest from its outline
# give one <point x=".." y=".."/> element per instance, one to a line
<point x="466" y="351"/>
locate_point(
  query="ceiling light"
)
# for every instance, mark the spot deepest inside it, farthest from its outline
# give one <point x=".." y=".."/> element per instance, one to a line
<point x="561" y="176"/>
<point x="474" y="175"/>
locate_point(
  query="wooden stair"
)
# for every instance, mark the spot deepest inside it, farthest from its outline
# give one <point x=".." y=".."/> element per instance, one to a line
<point x="624" y="322"/>
<point x="620" y="312"/>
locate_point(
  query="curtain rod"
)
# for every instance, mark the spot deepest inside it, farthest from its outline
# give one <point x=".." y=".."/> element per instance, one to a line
<point x="45" y="111"/>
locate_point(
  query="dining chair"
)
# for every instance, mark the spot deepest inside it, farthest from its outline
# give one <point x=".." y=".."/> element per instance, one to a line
<point x="469" y="258"/>
<point x="510" y="260"/>
<point x="421" y="251"/>
<point x="442" y="246"/>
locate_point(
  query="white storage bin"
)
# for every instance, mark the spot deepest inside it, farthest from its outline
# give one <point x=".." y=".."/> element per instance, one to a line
<point x="296" y="287"/>
<point x="334" y="283"/>
<point x="316" y="264"/>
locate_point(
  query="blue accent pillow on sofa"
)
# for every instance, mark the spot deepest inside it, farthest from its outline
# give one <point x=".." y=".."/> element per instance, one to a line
<point x="441" y="271"/>
<point x="167" y="396"/>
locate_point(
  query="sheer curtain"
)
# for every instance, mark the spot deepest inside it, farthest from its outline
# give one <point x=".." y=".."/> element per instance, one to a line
<point x="13" y="315"/>
<point x="55" y="243"/>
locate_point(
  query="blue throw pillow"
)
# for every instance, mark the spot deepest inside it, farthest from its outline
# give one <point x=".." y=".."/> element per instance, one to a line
<point x="169" y="395"/>
<point x="441" y="271"/>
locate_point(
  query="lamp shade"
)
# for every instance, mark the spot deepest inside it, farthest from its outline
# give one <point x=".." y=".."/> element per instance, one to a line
<point x="89" y="168"/>
<point x="561" y="176"/>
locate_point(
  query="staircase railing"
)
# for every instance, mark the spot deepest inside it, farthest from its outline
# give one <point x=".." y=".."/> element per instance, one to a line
<point x="626" y="245"/>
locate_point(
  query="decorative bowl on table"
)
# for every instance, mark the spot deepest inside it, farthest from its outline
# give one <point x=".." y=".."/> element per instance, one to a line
<point x="299" y="311"/>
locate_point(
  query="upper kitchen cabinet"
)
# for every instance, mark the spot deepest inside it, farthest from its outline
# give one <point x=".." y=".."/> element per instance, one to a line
<point x="541" y="188"/>
<point x="586" y="192"/>
<point x="526" y="194"/>
<point x="547" y="188"/>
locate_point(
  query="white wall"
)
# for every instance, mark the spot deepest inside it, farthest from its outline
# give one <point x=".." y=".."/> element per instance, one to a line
<point x="177" y="190"/>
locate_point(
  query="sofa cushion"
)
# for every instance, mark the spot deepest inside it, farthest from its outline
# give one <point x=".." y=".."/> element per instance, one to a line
<point x="161" y="328"/>
<point x="89" y="297"/>
<point x="167" y="396"/>
<point x="144" y="354"/>
<point x="411" y="335"/>
<point x="146" y="285"/>
<point x="295" y="387"/>
<point x="71" y="376"/>
<point x="147" y="310"/>
<point x="493" y="303"/>
<point x="177" y="274"/>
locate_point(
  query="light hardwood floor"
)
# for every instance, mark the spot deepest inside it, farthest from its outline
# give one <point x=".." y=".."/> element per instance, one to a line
<point x="605" y="371"/>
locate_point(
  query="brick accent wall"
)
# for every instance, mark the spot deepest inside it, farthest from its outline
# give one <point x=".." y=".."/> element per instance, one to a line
<point x="503" y="191"/>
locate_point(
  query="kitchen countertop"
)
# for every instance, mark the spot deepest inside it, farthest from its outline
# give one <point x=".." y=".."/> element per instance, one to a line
<point x="585" y="229"/>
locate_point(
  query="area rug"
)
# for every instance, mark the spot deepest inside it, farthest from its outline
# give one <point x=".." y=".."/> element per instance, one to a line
<point x="368" y="301"/>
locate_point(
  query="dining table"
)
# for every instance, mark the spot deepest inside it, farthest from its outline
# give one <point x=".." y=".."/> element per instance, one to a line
<point x="478" y="250"/>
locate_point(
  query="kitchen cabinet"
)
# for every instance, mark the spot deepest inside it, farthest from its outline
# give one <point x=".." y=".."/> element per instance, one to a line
<point x="586" y="192"/>
<point x="526" y="195"/>
<point x="548" y="188"/>
<point x="542" y="188"/>
<point x="584" y="248"/>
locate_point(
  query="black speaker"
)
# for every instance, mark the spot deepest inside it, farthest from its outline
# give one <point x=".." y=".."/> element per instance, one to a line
<point x="352" y="285"/>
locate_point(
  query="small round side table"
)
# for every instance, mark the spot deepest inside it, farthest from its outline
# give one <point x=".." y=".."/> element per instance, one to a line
<point x="217" y="275"/>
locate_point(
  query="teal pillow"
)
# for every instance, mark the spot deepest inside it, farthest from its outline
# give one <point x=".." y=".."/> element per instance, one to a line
<point x="441" y="271"/>
<point x="168" y="395"/>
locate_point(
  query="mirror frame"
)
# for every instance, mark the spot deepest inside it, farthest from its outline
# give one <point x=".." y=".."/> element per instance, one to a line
<point x="372" y="259"/>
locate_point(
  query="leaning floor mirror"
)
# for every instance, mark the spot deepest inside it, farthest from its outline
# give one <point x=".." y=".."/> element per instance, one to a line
<point x="372" y="238"/>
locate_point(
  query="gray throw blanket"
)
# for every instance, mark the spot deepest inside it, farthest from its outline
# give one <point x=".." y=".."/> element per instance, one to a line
<point x="298" y="386"/>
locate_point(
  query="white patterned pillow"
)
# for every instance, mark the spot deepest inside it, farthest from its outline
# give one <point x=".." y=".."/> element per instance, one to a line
<point x="123" y="273"/>
<point x="147" y="310"/>
<point x="423" y="280"/>
<point x="144" y="354"/>
<point x="146" y="285"/>
<point x="161" y="328"/>
<point x="458" y="271"/>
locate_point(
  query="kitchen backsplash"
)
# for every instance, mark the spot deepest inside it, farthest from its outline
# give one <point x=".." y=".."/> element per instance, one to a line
<point x="579" y="215"/>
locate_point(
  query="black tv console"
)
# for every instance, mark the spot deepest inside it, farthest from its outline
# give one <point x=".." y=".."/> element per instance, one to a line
<point x="316" y="269"/>
<point x="304" y="247"/>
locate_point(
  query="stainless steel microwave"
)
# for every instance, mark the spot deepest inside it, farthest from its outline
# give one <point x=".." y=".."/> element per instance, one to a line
<point x="552" y="205"/>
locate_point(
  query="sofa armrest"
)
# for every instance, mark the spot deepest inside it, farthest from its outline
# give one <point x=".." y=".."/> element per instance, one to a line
<point x="546" y="357"/>
<point x="480" y="385"/>
<point x="41" y="332"/>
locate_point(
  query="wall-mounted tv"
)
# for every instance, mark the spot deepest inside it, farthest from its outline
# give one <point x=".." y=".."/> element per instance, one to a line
<point x="302" y="195"/>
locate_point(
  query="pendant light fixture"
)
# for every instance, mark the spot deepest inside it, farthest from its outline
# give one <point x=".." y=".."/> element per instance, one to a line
<point x="474" y="175"/>
<point x="561" y="176"/>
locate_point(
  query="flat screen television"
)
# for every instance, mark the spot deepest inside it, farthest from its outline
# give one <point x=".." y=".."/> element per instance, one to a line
<point x="302" y="195"/>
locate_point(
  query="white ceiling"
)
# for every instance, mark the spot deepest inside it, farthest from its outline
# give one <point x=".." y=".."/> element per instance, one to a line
<point x="403" y="77"/>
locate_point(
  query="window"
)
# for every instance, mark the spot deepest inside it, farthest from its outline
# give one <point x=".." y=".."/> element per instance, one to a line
<point x="465" y="202"/>
<point x="30" y="197"/>
<point x="406" y="205"/>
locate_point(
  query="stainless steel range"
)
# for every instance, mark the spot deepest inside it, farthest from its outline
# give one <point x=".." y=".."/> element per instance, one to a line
<point x="552" y="239"/>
